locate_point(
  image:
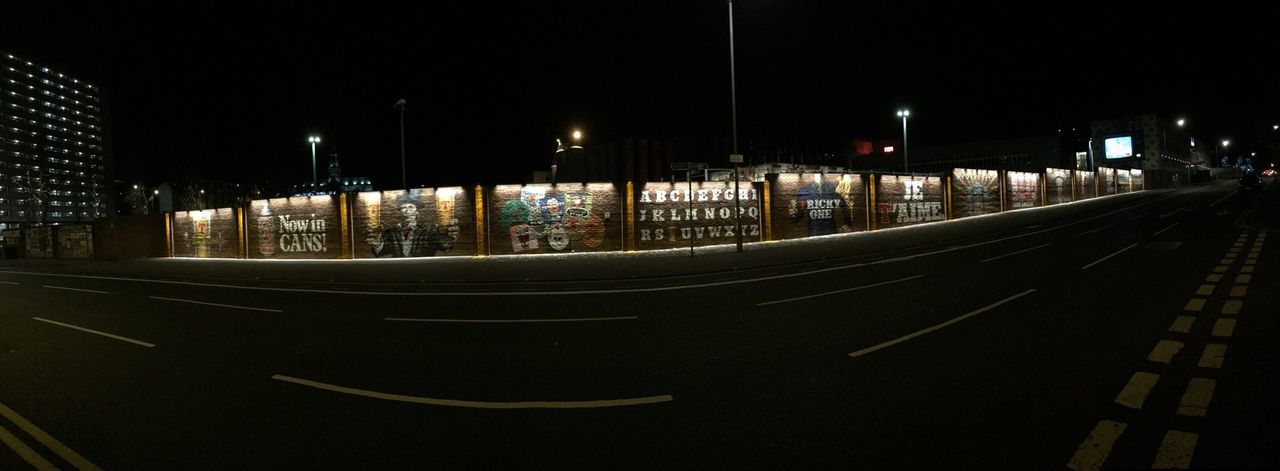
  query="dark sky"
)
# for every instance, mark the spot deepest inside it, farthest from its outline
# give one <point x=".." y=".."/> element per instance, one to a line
<point x="210" y="89"/>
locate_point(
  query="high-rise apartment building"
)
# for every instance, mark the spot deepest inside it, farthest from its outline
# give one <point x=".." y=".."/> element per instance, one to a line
<point x="53" y="151"/>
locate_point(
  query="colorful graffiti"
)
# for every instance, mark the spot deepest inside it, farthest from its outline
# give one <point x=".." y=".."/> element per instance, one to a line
<point x="1023" y="189"/>
<point x="560" y="219"/>
<point x="818" y="204"/>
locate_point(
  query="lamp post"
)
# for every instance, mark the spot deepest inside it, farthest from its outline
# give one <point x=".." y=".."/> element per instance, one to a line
<point x="733" y="115"/>
<point x="400" y="105"/>
<point x="313" y="140"/>
<point x="906" y="165"/>
<point x="561" y="150"/>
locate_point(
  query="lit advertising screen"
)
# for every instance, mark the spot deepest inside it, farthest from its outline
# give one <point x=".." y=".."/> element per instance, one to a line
<point x="1119" y="147"/>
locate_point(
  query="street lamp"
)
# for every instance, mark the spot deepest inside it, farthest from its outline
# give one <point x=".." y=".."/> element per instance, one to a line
<point x="313" y="140"/>
<point x="576" y="137"/>
<point x="733" y="107"/>
<point x="903" y="113"/>
<point x="400" y="105"/>
<point x="1182" y="122"/>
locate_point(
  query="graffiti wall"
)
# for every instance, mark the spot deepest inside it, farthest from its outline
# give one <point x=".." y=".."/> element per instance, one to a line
<point x="422" y="222"/>
<point x="299" y="227"/>
<point x="204" y="234"/>
<point x="904" y="201"/>
<point x="75" y="241"/>
<point x="814" y="204"/>
<point x="671" y="215"/>
<point x="1139" y="182"/>
<point x="1022" y="190"/>
<point x="1106" y="181"/>
<point x="1057" y="186"/>
<point x="39" y="242"/>
<point x="531" y="219"/>
<point x="974" y="192"/>
<point x="1086" y="185"/>
<point x="1124" y="181"/>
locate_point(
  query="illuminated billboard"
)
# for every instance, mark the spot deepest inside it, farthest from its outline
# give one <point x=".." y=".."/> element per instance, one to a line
<point x="818" y="204"/>
<point x="1119" y="147"/>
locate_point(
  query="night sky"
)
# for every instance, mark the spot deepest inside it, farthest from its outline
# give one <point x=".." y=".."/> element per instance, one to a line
<point x="213" y="90"/>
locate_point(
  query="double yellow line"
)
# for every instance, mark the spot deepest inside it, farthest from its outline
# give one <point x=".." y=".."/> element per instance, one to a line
<point x="30" y="455"/>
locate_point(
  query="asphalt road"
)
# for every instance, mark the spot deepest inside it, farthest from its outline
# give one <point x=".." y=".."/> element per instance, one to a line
<point x="1073" y="336"/>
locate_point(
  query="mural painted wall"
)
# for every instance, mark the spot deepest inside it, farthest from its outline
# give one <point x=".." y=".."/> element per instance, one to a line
<point x="300" y="227"/>
<point x="1086" y="186"/>
<point x="904" y="201"/>
<point x="422" y="222"/>
<point x="1139" y="182"/>
<point x="1022" y="190"/>
<point x="202" y="234"/>
<point x="816" y="204"/>
<point x="974" y="192"/>
<point x="1124" y="181"/>
<point x="666" y="220"/>
<point x="530" y="219"/>
<point x="75" y="241"/>
<point x="1057" y="186"/>
<point x="1106" y="181"/>
<point x="39" y="242"/>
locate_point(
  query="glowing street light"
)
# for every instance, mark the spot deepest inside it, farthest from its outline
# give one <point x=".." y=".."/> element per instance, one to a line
<point x="904" y="113"/>
<point x="576" y="143"/>
<point x="313" y="140"/>
<point x="1182" y="122"/>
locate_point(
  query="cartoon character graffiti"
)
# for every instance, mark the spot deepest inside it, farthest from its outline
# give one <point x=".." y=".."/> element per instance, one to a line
<point x="543" y="218"/>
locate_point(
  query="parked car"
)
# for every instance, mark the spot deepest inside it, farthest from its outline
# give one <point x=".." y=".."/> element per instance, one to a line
<point x="1249" y="182"/>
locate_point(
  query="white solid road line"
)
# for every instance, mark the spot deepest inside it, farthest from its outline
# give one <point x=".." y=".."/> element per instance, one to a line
<point x="1219" y="200"/>
<point x="77" y="289"/>
<point x="8" y="283"/>
<point x="607" y="291"/>
<point x="511" y="321"/>
<point x="1103" y="259"/>
<point x="478" y="404"/>
<point x="939" y="326"/>
<point x="846" y="290"/>
<point x="95" y="332"/>
<point x="1162" y="231"/>
<point x="67" y="454"/>
<point x="30" y="456"/>
<point x="998" y="257"/>
<point x="1093" y="231"/>
<point x="214" y="304"/>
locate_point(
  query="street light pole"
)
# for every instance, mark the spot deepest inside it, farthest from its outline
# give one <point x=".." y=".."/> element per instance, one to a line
<point x="733" y="106"/>
<point x="313" y="140"/>
<point x="400" y="105"/>
<point x="906" y="165"/>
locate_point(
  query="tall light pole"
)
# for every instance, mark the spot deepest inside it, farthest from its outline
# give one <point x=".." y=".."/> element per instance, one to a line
<point x="903" y="113"/>
<point x="562" y="151"/>
<point x="733" y="116"/>
<point x="400" y="105"/>
<point x="313" y="140"/>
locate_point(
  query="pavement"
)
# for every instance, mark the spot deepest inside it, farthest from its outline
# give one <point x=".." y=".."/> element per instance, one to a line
<point x="1119" y="332"/>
